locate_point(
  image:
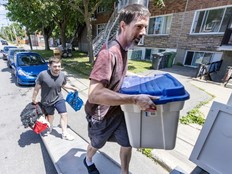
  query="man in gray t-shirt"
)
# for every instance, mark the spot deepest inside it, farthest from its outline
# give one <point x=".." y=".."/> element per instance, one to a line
<point x="50" y="82"/>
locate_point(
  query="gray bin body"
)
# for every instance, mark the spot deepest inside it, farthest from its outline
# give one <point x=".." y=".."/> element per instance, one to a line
<point x="153" y="129"/>
<point x="156" y="59"/>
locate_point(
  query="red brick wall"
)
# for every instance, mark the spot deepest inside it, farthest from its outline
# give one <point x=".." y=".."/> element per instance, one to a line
<point x="181" y="38"/>
<point x="102" y="18"/>
<point x="201" y="4"/>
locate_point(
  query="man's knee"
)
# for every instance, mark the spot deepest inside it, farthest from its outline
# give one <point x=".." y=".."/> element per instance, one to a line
<point x="64" y="115"/>
<point x="126" y="149"/>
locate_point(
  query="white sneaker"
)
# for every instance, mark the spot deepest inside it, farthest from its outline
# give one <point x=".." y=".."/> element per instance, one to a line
<point x="67" y="137"/>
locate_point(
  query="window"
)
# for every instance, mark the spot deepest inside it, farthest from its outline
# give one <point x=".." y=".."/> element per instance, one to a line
<point x="100" y="27"/>
<point x="101" y="9"/>
<point x="196" y="58"/>
<point x="211" y="21"/>
<point x="160" y="25"/>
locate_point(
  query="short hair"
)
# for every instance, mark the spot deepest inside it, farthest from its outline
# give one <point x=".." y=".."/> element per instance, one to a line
<point x="54" y="60"/>
<point x="130" y="12"/>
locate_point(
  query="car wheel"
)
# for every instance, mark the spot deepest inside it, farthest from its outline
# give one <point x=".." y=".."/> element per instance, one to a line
<point x="13" y="72"/>
<point x="17" y="81"/>
<point x="64" y="55"/>
<point x="8" y="64"/>
<point x="69" y="54"/>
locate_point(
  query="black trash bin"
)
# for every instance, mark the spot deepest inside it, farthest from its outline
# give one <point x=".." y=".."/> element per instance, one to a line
<point x="156" y="59"/>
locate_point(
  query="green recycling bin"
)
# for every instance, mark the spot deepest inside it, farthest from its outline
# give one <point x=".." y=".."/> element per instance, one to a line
<point x="170" y="58"/>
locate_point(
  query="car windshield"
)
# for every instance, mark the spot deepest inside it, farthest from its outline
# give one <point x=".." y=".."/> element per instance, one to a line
<point x="12" y="52"/>
<point x="27" y="60"/>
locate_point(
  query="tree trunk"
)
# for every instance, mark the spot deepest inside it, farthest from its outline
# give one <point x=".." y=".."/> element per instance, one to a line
<point x="46" y="42"/>
<point x="90" y="42"/>
<point x="47" y="32"/>
<point x="29" y="39"/>
<point x="63" y="36"/>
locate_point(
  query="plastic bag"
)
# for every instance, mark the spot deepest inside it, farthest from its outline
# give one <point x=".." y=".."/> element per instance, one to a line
<point x="74" y="100"/>
<point x="39" y="127"/>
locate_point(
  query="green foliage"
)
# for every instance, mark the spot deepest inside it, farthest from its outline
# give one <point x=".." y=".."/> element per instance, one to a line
<point x="159" y="3"/>
<point x="44" y="53"/>
<point x="146" y="152"/>
<point x="138" y="66"/>
<point x="193" y="116"/>
<point x="78" y="64"/>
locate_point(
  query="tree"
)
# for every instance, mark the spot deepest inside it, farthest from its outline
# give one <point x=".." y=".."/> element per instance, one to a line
<point x="12" y="32"/>
<point x="35" y="19"/>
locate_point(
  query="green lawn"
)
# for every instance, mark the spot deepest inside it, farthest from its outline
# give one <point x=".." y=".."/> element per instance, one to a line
<point x="79" y="63"/>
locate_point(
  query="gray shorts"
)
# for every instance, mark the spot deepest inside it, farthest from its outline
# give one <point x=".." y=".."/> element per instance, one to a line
<point x="59" y="106"/>
<point x="112" y="129"/>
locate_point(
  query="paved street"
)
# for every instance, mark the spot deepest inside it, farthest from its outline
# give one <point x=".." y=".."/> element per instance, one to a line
<point x="21" y="150"/>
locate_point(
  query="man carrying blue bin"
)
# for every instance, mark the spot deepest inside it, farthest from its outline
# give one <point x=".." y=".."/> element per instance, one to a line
<point x="105" y="118"/>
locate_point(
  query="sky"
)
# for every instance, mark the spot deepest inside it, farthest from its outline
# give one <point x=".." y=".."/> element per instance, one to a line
<point x="3" y="20"/>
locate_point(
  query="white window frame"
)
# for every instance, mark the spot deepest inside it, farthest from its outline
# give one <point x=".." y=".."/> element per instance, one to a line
<point x="100" y="27"/>
<point x="167" y="28"/>
<point x="207" y="11"/>
<point x="216" y="56"/>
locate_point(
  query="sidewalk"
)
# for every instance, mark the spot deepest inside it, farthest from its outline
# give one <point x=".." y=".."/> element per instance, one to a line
<point x="67" y="155"/>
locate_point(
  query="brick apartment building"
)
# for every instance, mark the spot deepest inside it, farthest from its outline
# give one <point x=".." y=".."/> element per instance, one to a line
<point x="194" y="29"/>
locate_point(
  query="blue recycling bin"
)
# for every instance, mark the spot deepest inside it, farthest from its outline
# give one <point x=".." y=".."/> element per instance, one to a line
<point x="156" y="129"/>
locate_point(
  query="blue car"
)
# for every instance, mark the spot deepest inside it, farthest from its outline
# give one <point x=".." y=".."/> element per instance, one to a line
<point x="26" y="67"/>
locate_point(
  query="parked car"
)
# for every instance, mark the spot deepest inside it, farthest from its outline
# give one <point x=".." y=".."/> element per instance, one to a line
<point x="11" y="53"/>
<point x="2" y="43"/>
<point x="26" y="67"/>
<point x="5" y="51"/>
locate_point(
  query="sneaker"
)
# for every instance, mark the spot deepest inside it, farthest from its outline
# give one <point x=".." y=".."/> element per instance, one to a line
<point x="48" y="131"/>
<point x="91" y="169"/>
<point x="67" y="137"/>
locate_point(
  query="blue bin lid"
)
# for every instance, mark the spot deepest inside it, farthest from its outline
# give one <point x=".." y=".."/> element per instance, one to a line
<point x="164" y="86"/>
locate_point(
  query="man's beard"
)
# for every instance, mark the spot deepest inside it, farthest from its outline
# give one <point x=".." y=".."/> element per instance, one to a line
<point x="135" y="42"/>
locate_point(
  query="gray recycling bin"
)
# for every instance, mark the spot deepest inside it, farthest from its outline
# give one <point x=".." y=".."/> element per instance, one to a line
<point x="158" y="128"/>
